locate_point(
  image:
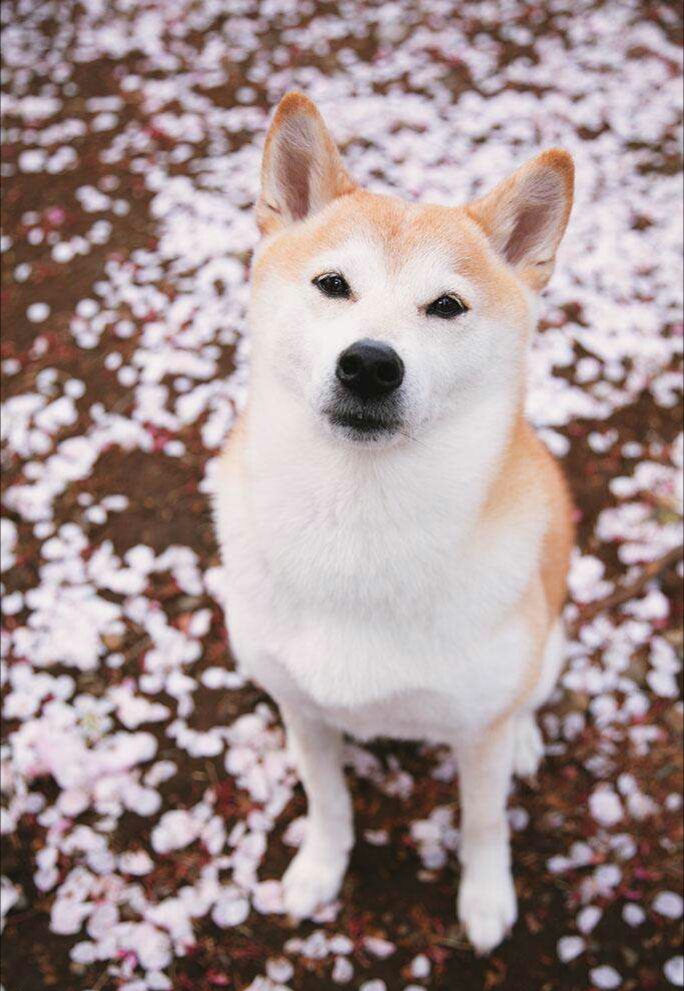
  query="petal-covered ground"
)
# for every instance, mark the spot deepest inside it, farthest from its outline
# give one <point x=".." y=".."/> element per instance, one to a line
<point x="149" y="805"/>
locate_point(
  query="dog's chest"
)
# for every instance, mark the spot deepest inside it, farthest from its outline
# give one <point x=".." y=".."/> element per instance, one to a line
<point x="359" y="548"/>
<point x="397" y="639"/>
<point x="384" y="617"/>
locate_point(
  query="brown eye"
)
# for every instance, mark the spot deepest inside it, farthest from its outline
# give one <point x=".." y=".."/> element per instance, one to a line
<point x="333" y="284"/>
<point x="447" y="307"/>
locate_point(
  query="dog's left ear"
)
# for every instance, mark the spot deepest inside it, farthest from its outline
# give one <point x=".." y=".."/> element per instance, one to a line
<point x="525" y="216"/>
<point x="302" y="170"/>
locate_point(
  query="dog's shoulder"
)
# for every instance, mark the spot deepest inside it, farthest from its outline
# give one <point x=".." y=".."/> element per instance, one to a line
<point x="530" y="481"/>
<point x="526" y="471"/>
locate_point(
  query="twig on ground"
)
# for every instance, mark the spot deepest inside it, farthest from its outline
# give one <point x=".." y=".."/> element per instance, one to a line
<point x="623" y="593"/>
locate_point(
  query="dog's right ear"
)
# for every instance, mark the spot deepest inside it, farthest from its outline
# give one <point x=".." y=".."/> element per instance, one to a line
<point x="302" y="170"/>
<point x="525" y="216"/>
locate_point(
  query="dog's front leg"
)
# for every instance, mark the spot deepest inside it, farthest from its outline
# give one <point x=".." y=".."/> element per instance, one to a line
<point x="315" y="875"/>
<point x="487" y="906"/>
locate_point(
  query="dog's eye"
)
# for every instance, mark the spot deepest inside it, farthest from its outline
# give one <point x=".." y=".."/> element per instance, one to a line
<point x="333" y="284"/>
<point x="447" y="307"/>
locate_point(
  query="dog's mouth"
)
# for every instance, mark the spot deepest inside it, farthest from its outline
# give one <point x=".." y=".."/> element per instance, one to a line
<point x="363" y="425"/>
<point x="364" y="421"/>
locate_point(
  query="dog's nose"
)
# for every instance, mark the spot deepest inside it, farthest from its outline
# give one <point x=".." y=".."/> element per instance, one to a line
<point x="370" y="369"/>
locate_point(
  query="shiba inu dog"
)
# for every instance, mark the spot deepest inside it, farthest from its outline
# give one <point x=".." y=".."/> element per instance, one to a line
<point x="396" y="539"/>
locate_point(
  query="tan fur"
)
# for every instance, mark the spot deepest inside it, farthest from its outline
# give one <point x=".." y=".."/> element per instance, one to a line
<point x="527" y="466"/>
<point x="232" y="456"/>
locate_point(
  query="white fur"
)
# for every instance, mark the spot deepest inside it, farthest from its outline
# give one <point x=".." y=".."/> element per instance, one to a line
<point x="361" y="591"/>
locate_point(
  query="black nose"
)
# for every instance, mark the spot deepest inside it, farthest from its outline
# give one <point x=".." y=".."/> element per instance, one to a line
<point x="370" y="369"/>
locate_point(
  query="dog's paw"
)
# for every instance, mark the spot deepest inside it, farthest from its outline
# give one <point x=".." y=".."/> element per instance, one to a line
<point x="313" y="879"/>
<point x="487" y="908"/>
<point x="529" y="747"/>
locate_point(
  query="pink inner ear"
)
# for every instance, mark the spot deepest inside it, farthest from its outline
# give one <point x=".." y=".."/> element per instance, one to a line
<point x="540" y="202"/>
<point x="293" y="179"/>
<point x="529" y="230"/>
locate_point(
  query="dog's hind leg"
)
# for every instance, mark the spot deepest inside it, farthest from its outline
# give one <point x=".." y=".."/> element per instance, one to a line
<point x="315" y="875"/>
<point x="529" y="745"/>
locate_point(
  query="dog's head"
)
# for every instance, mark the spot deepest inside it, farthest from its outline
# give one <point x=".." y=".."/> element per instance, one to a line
<point x="380" y="316"/>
